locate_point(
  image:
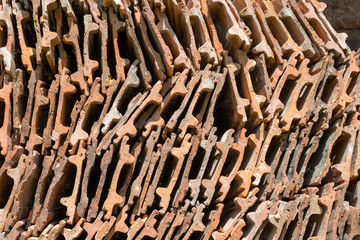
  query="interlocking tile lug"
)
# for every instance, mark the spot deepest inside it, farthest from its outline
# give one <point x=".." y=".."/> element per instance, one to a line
<point x="256" y="101"/>
<point x="343" y="99"/>
<point x="72" y="38"/>
<point x="233" y="36"/>
<point x="178" y="154"/>
<point x="240" y="104"/>
<point x="274" y="154"/>
<point x="237" y="149"/>
<point x="214" y="218"/>
<point x="39" y="111"/>
<point x="63" y="57"/>
<point x="92" y="228"/>
<point x="95" y="129"/>
<point x="16" y="231"/>
<point x="106" y="77"/>
<point x="139" y="118"/>
<point x="272" y="41"/>
<point x="259" y="44"/>
<point x="212" y="30"/>
<point x="190" y="87"/>
<point x="277" y="73"/>
<point x="49" y="39"/>
<point x="202" y="36"/>
<point x="18" y="103"/>
<point x="257" y="220"/>
<point x="340" y="38"/>
<point x="353" y="223"/>
<point x="262" y="84"/>
<point x="222" y="149"/>
<point x="5" y="129"/>
<point x="24" y="192"/>
<point x="84" y="201"/>
<point x="355" y="161"/>
<point x="135" y="227"/>
<point x="16" y="174"/>
<point x="296" y="216"/>
<point x="148" y="229"/>
<point x="66" y="90"/>
<point x="120" y="225"/>
<point x="126" y="125"/>
<point x="136" y="49"/>
<point x="323" y="96"/>
<point x="184" y="182"/>
<point x="262" y="167"/>
<point x="290" y="113"/>
<point x="290" y="74"/>
<point x="116" y="27"/>
<point x="311" y="32"/>
<point x="295" y="29"/>
<point x="11" y="160"/>
<point x="289" y="212"/>
<point x="86" y="115"/>
<point x="144" y="193"/>
<point x="278" y="29"/>
<point x="93" y="145"/>
<point x="164" y="49"/>
<point x="320" y="162"/>
<point x="305" y="158"/>
<point x="275" y="222"/>
<point x="314" y="209"/>
<point x="52" y="232"/>
<point x="70" y="202"/>
<point x="207" y="146"/>
<point x="197" y="224"/>
<point x="74" y="116"/>
<point x="7" y="52"/>
<point x="181" y="60"/>
<point x="52" y="96"/>
<point x="105" y="228"/>
<point x="117" y="5"/>
<point x="179" y="18"/>
<point x="326" y="201"/>
<point x="113" y="198"/>
<point x="219" y="84"/>
<point x="151" y="54"/>
<point x="203" y="92"/>
<point x="234" y="216"/>
<point x="40" y="192"/>
<point x="165" y="152"/>
<point x="178" y="220"/>
<point x="287" y="163"/>
<point x="340" y="170"/>
<point x="344" y="216"/>
<point x="48" y="211"/>
<point x="319" y="27"/>
<point x="165" y="223"/>
<point x="90" y="65"/>
<point x="181" y="230"/>
<point x="28" y="52"/>
<point x="141" y="182"/>
<point x="132" y="81"/>
<point x="314" y="78"/>
<point x="25" y="126"/>
<point x="74" y="232"/>
<point x="174" y="88"/>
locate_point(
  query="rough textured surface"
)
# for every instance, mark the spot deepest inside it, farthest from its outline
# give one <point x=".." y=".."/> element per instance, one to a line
<point x="165" y="119"/>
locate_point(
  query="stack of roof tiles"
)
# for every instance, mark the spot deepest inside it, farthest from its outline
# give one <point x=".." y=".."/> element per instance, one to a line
<point x="176" y="119"/>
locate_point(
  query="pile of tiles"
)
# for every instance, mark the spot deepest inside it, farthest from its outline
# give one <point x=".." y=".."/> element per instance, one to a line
<point x="176" y="119"/>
